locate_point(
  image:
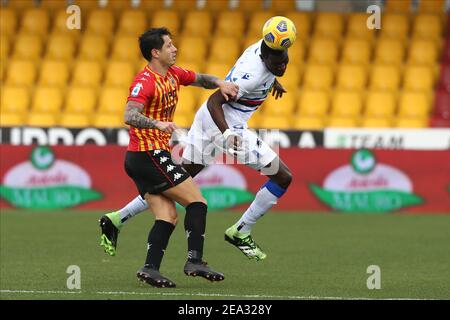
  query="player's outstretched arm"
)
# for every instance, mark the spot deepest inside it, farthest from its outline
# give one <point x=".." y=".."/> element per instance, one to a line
<point x="278" y="90"/>
<point x="228" y="90"/>
<point x="135" y="118"/>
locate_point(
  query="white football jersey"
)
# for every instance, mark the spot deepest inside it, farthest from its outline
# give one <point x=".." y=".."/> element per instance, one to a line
<point x="255" y="82"/>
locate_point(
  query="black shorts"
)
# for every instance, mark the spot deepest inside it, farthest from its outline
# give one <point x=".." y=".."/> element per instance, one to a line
<point x="153" y="171"/>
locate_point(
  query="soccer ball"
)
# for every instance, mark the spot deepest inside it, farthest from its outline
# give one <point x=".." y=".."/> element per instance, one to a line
<point x="279" y="33"/>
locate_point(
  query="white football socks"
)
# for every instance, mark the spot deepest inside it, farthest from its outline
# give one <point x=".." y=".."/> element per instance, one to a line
<point x="134" y="207"/>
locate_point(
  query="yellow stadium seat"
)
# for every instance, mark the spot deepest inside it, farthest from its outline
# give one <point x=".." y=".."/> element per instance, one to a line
<point x="395" y="26"/>
<point x="119" y="74"/>
<point x="61" y="47"/>
<point x="60" y="26"/>
<point x="189" y="66"/>
<point x="187" y="102"/>
<point x="52" y="6"/>
<point x="21" y="72"/>
<point x="411" y="122"/>
<point x="323" y="50"/>
<point x="15" y="99"/>
<point x="126" y="48"/>
<point x="427" y="26"/>
<point x="283" y="107"/>
<point x="376" y="122"/>
<point x="398" y="6"/>
<point x="132" y="23"/>
<point x="93" y="47"/>
<point x="141" y="64"/>
<point x="11" y="119"/>
<point x="100" y="22"/>
<point x="80" y="100"/>
<point x="352" y="77"/>
<point x="118" y="6"/>
<point x="357" y="27"/>
<point x="414" y="104"/>
<point x="35" y="21"/>
<point x="257" y="21"/>
<point x="87" y="74"/>
<point x="380" y="104"/>
<point x="356" y="51"/>
<point x="342" y="122"/>
<point x="108" y="120"/>
<point x="302" y="22"/>
<point x="198" y="23"/>
<point x="309" y="123"/>
<point x="152" y="5"/>
<point x="432" y="6"/>
<point x="28" y="47"/>
<point x="192" y="49"/>
<point x="41" y="119"/>
<point x="219" y="70"/>
<point x="168" y="18"/>
<point x="251" y="6"/>
<point x="183" y="120"/>
<point x="297" y="52"/>
<point x="112" y="100"/>
<point x="224" y="50"/>
<point x="87" y="5"/>
<point x="276" y="122"/>
<point x="329" y="24"/>
<point x="318" y="76"/>
<point x="389" y="51"/>
<point x="250" y="40"/>
<point x="291" y="78"/>
<point x="423" y="52"/>
<point x="184" y="5"/>
<point x="313" y="103"/>
<point x="54" y="73"/>
<point x="418" y="78"/>
<point x="4" y="47"/>
<point x="47" y="99"/>
<point x="217" y="6"/>
<point x="385" y="77"/>
<point x="8" y="21"/>
<point x="74" y="120"/>
<point x="346" y="104"/>
<point x="2" y="70"/>
<point x="203" y="97"/>
<point x="281" y="7"/>
<point x="230" y="24"/>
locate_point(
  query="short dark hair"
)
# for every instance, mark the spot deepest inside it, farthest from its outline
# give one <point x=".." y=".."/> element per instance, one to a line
<point x="152" y="39"/>
<point x="266" y="51"/>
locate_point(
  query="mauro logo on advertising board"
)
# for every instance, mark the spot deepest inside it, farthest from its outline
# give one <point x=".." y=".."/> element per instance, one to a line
<point x="366" y="186"/>
<point x="46" y="183"/>
<point x="223" y="187"/>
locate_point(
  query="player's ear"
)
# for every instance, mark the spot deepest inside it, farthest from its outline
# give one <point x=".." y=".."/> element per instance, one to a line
<point x="155" y="53"/>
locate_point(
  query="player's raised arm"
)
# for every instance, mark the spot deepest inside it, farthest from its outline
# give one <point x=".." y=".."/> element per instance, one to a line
<point x="228" y="90"/>
<point x="135" y="118"/>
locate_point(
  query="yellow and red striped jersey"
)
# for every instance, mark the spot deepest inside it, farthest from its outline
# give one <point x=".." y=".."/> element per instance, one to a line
<point x="159" y="95"/>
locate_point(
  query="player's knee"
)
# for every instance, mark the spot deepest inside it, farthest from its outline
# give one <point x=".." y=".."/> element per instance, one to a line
<point x="285" y="179"/>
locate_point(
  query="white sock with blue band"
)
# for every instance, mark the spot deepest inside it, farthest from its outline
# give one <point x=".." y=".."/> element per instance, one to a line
<point x="266" y="197"/>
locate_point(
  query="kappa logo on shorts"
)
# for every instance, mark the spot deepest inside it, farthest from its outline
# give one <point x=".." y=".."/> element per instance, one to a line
<point x="156" y="152"/>
<point x="170" y="168"/>
<point x="177" y="176"/>
<point x="163" y="159"/>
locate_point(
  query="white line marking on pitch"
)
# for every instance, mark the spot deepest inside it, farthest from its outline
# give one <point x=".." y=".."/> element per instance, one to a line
<point x="257" y="296"/>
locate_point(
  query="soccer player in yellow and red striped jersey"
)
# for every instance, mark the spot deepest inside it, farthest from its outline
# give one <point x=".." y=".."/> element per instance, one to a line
<point x="149" y="113"/>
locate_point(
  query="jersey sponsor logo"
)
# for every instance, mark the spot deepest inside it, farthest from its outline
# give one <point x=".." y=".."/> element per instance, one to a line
<point x="246" y="76"/>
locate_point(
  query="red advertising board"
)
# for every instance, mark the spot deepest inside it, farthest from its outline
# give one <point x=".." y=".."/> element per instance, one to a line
<point x="92" y="177"/>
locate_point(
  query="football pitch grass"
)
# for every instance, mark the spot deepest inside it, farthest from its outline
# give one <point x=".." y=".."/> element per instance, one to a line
<point x="310" y="256"/>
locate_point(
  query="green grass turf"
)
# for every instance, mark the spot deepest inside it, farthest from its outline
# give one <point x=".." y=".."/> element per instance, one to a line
<point x="309" y="256"/>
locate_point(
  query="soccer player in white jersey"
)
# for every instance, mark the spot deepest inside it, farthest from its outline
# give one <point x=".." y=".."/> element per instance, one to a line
<point x="223" y="124"/>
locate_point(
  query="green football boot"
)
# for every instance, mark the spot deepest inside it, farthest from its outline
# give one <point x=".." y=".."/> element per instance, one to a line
<point x="245" y="243"/>
<point x="110" y="225"/>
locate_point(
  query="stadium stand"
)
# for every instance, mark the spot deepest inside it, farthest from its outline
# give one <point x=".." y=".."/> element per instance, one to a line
<point x="341" y="73"/>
